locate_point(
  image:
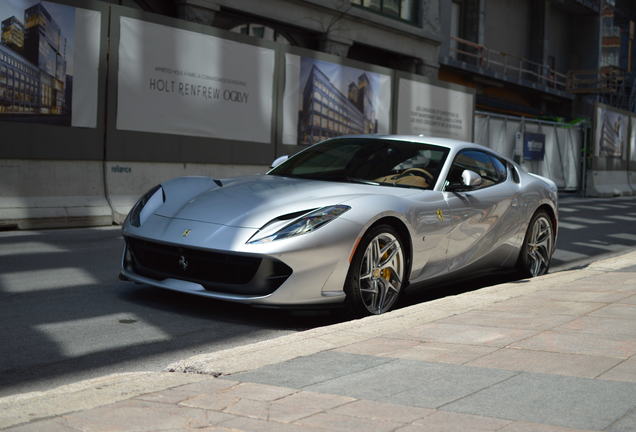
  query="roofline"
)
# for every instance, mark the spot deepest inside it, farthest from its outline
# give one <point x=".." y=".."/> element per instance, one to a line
<point x="449" y="143"/>
<point x="443" y="142"/>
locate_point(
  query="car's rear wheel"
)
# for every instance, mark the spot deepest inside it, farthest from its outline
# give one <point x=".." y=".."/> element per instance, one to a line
<point x="537" y="246"/>
<point x="377" y="272"/>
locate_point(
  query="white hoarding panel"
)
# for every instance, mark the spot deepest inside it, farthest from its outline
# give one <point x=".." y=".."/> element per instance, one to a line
<point x="86" y="59"/>
<point x="291" y="99"/>
<point x="175" y="81"/>
<point x="432" y="110"/>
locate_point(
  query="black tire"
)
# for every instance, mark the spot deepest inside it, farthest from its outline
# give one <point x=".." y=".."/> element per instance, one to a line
<point x="538" y="246"/>
<point x="385" y="274"/>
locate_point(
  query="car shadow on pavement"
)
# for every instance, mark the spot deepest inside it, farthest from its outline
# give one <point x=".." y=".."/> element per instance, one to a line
<point x="294" y="319"/>
<point x="419" y="293"/>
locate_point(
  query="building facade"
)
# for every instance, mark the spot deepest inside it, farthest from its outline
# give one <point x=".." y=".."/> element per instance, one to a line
<point x="567" y="64"/>
<point x="559" y="60"/>
<point x="550" y="61"/>
<point x="524" y="57"/>
<point x="403" y="35"/>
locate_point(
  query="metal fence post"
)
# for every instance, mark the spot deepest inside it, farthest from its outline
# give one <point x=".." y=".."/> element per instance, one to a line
<point x="584" y="170"/>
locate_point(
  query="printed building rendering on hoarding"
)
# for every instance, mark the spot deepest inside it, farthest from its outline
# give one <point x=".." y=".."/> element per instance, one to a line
<point x="19" y="83"/>
<point x="612" y="138"/>
<point x="327" y="112"/>
<point x="33" y="67"/>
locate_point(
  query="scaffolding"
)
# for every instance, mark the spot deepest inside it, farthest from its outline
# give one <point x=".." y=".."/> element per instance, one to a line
<point x="499" y="63"/>
<point x="613" y="86"/>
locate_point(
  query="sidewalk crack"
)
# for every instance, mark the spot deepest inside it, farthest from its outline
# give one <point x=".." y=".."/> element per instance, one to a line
<point x="481" y="389"/>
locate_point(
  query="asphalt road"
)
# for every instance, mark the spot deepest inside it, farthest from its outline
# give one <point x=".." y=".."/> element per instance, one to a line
<point x="66" y="317"/>
<point x="589" y="228"/>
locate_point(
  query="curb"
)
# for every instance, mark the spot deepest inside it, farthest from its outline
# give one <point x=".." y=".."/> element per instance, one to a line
<point x="253" y="356"/>
<point x="83" y="395"/>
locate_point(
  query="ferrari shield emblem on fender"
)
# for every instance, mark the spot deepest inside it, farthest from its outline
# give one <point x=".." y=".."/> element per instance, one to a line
<point x="440" y="215"/>
<point x="186" y="233"/>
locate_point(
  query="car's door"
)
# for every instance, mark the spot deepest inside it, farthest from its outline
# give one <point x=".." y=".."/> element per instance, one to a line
<point x="418" y="171"/>
<point x="484" y="219"/>
<point x="429" y="217"/>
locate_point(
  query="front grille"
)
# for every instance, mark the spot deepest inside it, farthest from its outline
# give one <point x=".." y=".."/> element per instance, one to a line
<point x="216" y="271"/>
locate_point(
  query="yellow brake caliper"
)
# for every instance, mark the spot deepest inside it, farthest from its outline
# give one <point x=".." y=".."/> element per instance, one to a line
<point x="386" y="273"/>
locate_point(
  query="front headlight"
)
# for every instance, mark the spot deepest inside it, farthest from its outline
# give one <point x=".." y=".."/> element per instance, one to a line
<point x="304" y="224"/>
<point x="148" y="203"/>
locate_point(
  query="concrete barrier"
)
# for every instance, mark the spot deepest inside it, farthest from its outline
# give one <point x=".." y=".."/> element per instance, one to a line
<point x="127" y="181"/>
<point x="51" y="193"/>
<point x="631" y="176"/>
<point x="601" y="183"/>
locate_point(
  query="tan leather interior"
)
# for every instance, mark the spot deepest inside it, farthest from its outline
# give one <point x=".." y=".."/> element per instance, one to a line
<point x="409" y="177"/>
<point x="413" y="180"/>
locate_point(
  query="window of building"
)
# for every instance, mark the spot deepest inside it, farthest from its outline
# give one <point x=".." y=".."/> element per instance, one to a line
<point x="261" y="31"/>
<point x="401" y="9"/>
<point x="455" y="24"/>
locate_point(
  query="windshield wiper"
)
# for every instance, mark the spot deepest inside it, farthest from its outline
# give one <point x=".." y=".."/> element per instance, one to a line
<point x="406" y="186"/>
<point x="359" y="181"/>
<point x="328" y="178"/>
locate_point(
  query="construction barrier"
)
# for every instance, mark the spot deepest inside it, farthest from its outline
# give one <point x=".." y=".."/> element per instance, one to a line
<point x="549" y="149"/>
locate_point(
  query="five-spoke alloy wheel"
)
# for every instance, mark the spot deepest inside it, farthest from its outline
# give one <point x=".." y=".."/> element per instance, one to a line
<point x="538" y="246"/>
<point x="377" y="272"/>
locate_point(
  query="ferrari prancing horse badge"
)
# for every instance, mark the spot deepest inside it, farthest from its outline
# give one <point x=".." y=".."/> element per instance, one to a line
<point x="440" y="215"/>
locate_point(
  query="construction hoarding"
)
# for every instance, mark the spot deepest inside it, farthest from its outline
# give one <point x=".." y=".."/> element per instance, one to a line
<point x="176" y="81"/>
<point x="434" y="110"/>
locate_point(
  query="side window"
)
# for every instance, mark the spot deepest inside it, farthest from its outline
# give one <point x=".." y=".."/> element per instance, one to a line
<point x="490" y="168"/>
<point x="500" y="167"/>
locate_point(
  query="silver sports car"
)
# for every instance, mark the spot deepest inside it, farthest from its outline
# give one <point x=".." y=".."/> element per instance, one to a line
<point x="352" y="219"/>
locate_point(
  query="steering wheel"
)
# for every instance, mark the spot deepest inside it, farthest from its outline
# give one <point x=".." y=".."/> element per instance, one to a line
<point x="418" y="172"/>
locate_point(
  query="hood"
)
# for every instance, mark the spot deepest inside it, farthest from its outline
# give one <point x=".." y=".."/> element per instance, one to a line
<point x="252" y="201"/>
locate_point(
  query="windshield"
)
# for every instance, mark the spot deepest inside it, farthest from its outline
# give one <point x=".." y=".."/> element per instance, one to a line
<point x="368" y="160"/>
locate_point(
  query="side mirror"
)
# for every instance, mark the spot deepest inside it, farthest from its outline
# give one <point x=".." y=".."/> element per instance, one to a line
<point x="279" y="160"/>
<point x="470" y="179"/>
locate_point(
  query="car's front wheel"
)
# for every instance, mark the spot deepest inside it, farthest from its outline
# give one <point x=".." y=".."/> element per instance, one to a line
<point x="538" y="245"/>
<point x="377" y="272"/>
